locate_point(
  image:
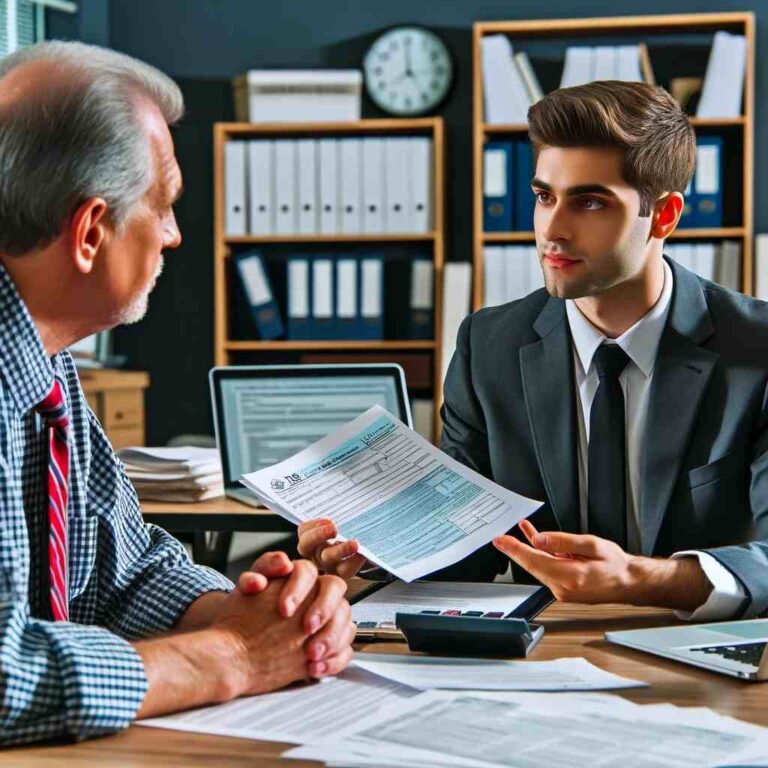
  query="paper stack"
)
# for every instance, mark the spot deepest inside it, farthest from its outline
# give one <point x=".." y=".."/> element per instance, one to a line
<point x="174" y="474"/>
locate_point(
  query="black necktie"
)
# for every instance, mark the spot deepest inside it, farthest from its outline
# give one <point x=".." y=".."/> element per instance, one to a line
<point x="607" y="497"/>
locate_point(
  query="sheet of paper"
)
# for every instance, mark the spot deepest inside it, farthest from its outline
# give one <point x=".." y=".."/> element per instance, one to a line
<point x="533" y="731"/>
<point x="438" y="672"/>
<point x="413" y="509"/>
<point x="382" y="605"/>
<point x="296" y="715"/>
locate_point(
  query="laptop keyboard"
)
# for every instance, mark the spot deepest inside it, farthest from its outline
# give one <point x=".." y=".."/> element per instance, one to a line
<point x="747" y="653"/>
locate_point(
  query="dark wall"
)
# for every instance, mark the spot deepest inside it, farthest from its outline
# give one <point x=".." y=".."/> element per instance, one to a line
<point x="203" y="43"/>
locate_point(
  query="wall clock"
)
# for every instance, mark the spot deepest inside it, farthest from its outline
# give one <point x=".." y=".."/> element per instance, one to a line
<point x="408" y="71"/>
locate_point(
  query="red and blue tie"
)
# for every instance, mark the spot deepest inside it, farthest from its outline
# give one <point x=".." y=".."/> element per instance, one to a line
<point x="53" y="410"/>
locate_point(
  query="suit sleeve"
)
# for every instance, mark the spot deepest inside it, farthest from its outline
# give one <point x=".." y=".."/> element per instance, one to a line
<point x="749" y="562"/>
<point x="465" y="439"/>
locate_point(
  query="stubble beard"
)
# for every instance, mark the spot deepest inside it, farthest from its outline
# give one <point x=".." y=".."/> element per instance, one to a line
<point x="137" y="308"/>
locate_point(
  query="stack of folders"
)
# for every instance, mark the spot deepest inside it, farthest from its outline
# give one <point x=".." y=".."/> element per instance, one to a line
<point x="339" y="296"/>
<point x="510" y="272"/>
<point x="584" y="64"/>
<point x="174" y="474"/>
<point x="704" y="195"/>
<point x="508" y="201"/>
<point x="510" y="85"/>
<point x="724" y="79"/>
<point x="369" y="185"/>
<point x="719" y="262"/>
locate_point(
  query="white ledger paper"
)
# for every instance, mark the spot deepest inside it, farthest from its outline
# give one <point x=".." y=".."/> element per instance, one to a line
<point x="412" y="508"/>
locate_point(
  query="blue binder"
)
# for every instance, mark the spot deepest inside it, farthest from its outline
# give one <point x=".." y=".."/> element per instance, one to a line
<point x="257" y="289"/>
<point x="371" y="297"/>
<point x="299" y="298"/>
<point x="524" y="198"/>
<point x="421" y="304"/>
<point x="498" y="180"/>
<point x="709" y="182"/>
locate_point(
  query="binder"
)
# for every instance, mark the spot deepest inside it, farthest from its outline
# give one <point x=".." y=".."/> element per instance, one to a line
<point x="535" y="272"/>
<point x="421" y="184"/>
<point x="517" y="272"/>
<point x="373" y="185"/>
<point x="308" y="197"/>
<point x="234" y="189"/>
<point x="371" y="297"/>
<point x="330" y="202"/>
<point x="258" y="292"/>
<point x="604" y="63"/>
<point x="299" y="308"/>
<point x="728" y="268"/>
<point x="285" y="187"/>
<point x="761" y="267"/>
<point x="688" y="216"/>
<point x="347" y="324"/>
<point x="504" y="90"/>
<point x="322" y="298"/>
<point x="721" y="94"/>
<point x="351" y="183"/>
<point x="457" y="284"/>
<point x="578" y="66"/>
<point x="397" y="185"/>
<point x="709" y="182"/>
<point x="494" y="276"/>
<point x="525" y="202"/>
<point x="705" y="260"/>
<point x="497" y="186"/>
<point x="260" y="182"/>
<point x="421" y="316"/>
<point x="532" y="85"/>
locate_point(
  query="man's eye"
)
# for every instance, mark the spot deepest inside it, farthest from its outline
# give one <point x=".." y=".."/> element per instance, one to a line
<point x="592" y="203"/>
<point x="542" y="197"/>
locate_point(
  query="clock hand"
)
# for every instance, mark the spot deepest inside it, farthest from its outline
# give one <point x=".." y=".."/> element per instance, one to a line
<point x="407" y="45"/>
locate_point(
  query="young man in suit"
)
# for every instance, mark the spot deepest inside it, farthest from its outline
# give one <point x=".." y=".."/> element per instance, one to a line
<point x="630" y="394"/>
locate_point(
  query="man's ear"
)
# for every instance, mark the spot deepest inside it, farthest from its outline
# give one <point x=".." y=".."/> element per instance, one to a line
<point x="665" y="215"/>
<point x="88" y="229"/>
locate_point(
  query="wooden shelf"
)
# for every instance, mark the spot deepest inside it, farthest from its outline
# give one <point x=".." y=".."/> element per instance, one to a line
<point x="394" y="126"/>
<point x="739" y="131"/>
<point x="315" y="346"/>
<point x="416" y="237"/>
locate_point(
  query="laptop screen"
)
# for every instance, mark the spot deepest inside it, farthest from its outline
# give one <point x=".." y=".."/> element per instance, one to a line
<point x="271" y="414"/>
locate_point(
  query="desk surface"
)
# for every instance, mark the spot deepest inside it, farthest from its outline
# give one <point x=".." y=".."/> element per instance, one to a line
<point x="571" y="630"/>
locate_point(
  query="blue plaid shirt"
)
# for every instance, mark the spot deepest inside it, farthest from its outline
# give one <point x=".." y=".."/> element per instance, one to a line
<point x="128" y="580"/>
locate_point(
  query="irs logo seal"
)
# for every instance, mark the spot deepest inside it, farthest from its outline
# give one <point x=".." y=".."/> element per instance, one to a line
<point x="277" y="484"/>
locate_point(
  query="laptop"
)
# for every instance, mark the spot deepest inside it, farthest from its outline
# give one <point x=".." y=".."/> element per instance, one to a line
<point x="266" y="413"/>
<point x="735" y="648"/>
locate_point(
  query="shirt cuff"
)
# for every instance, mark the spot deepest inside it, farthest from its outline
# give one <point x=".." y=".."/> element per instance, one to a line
<point x="102" y="678"/>
<point x="727" y="595"/>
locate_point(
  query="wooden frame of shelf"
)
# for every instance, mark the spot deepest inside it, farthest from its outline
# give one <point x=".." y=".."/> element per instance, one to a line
<point x="224" y="347"/>
<point x="743" y="23"/>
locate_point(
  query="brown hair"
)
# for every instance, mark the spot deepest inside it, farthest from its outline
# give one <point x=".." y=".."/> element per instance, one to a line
<point x="643" y="120"/>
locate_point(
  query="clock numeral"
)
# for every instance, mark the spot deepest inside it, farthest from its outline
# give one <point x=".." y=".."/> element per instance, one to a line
<point x="434" y="85"/>
<point x="424" y="96"/>
<point x="382" y="86"/>
<point x="439" y="69"/>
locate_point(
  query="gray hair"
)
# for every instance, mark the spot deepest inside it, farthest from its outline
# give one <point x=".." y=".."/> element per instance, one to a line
<point x="75" y="141"/>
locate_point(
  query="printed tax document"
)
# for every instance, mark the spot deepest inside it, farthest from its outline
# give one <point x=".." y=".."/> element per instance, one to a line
<point x="412" y="508"/>
<point x="297" y="715"/>
<point x="438" y="672"/>
<point x="382" y="605"/>
<point x="539" y="731"/>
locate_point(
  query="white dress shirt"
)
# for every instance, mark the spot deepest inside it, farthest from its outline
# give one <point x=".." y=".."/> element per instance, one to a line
<point x="640" y="343"/>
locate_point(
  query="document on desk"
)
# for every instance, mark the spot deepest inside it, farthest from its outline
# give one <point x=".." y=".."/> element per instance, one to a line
<point x="398" y="596"/>
<point x="438" y="672"/>
<point x="538" y="731"/>
<point x="413" y="509"/>
<point x="297" y="715"/>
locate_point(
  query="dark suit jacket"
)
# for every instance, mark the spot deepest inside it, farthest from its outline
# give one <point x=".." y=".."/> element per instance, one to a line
<point x="510" y="413"/>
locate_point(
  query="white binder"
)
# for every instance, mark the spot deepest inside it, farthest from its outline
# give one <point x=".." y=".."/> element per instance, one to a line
<point x="328" y="151"/>
<point x="234" y="189"/>
<point x="578" y="67"/>
<point x="535" y="272"/>
<point x="397" y="185"/>
<point x="421" y="184"/>
<point x="351" y="182"/>
<point x="705" y="260"/>
<point x="495" y="286"/>
<point x="308" y="197"/>
<point x="373" y="185"/>
<point x="261" y="178"/>
<point x="298" y="298"/>
<point x="517" y="271"/>
<point x="285" y="187"/>
<point x="604" y="63"/>
<point x="322" y="298"/>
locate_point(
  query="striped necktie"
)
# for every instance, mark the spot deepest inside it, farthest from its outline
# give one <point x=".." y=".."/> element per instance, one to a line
<point x="53" y="410"/>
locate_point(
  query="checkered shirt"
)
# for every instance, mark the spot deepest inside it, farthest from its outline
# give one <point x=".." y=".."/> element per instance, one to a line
<point x="127" y="580"/>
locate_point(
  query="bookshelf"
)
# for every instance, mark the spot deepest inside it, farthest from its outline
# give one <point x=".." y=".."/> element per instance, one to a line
<point x="229" y="350"/>
<point x="738" y="136"/>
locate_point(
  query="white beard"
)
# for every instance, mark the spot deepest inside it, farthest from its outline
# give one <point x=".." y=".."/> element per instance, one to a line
<point x="137" y="308"/>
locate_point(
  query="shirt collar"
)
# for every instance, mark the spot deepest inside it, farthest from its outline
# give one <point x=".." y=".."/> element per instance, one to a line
<point x="24" y="364"/>
<point x="640" y="342"/>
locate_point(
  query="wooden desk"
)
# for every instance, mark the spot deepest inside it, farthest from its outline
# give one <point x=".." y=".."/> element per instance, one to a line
<point x="212" y="523"/>
<point x="571" y="630"/>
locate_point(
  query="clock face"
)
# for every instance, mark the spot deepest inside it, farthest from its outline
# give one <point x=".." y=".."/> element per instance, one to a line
<point x="408" y="71"/>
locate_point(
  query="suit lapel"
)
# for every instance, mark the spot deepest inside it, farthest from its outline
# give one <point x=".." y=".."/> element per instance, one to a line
<point x="680" y="377"/>
<point x="547" y="373"/>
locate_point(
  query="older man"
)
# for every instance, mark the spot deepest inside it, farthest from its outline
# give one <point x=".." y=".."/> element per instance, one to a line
<point x="103" y="618"/>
